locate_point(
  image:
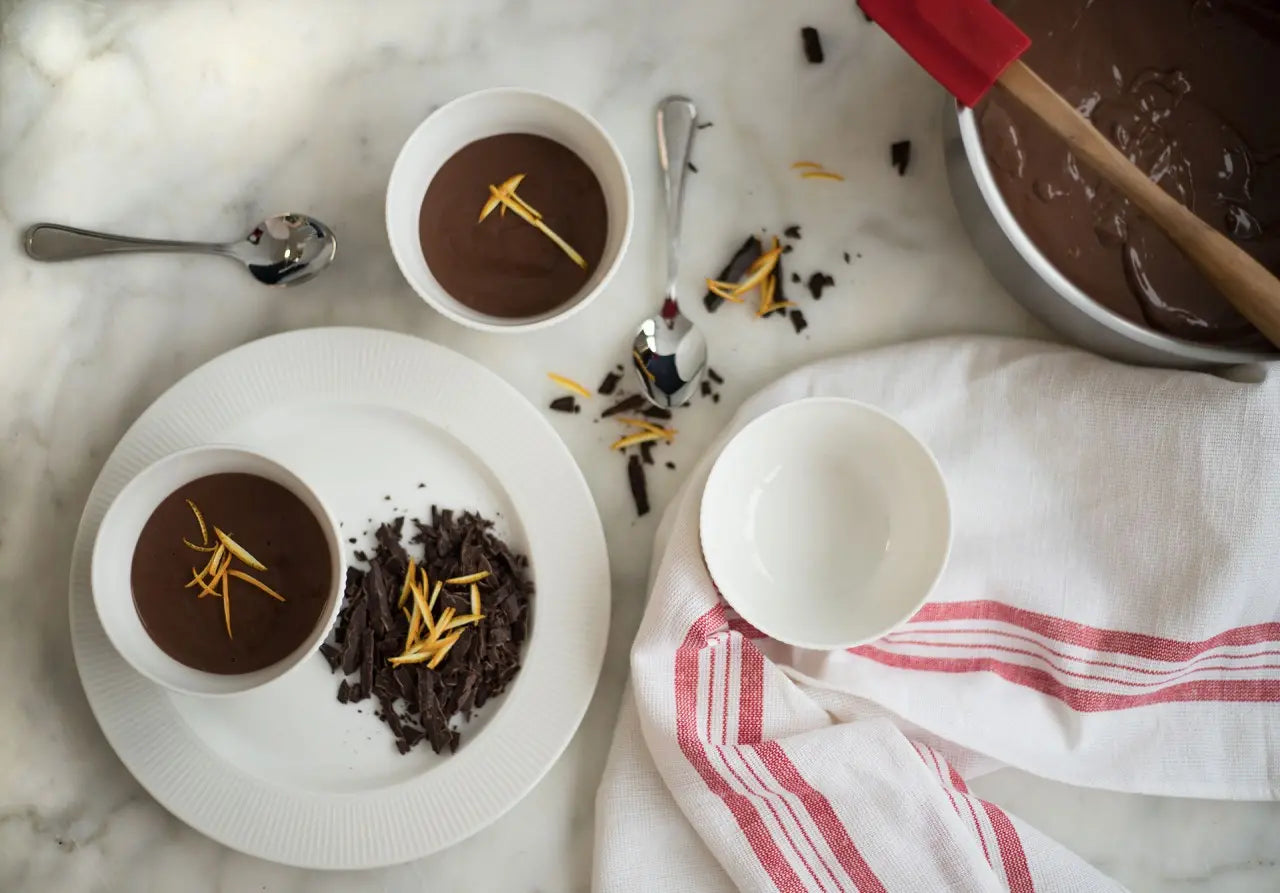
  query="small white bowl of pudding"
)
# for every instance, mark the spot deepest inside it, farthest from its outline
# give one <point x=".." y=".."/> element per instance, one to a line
<point x="509" y="210"/>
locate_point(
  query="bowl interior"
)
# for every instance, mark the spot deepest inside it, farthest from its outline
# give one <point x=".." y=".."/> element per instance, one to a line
<point x="113" y="558"/>
<point x="474" y="117"/>
<point x="825" y="523"/>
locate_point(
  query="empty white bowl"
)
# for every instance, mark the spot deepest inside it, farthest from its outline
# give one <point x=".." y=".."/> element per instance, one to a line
<point x="488" y="113"/>
<point x="112" y="564"/>
<point x="825" y="523"/>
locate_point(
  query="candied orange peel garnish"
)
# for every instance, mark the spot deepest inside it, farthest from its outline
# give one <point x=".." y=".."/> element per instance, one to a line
<point x="435" y="593"/>
<point x="633" y="439"/>
<point x="509" y="200"/>
<point x="723" y="290"/>
<point x="568" y="384"/>
<point x="226" y="605"/>
<point x="822" y="175"/>
<point x="646" y="425"/>
<point x="256" y="583"/>
<point x="408" y="583"/>
<point x="475" y="598"/>
<point x="469" y="578"/>
<point x="443" y="652"/>
<point x="238" y="550"/>
<point x="204" y="528"/>
<point x="797" y="165"/>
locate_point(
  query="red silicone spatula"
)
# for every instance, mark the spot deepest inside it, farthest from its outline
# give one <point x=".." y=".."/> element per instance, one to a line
<point x="969" y="46"/>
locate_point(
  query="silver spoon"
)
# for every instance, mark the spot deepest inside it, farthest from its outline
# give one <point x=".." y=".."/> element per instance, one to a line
<point x="669" y="353"/>
<point x="286" y="249"/>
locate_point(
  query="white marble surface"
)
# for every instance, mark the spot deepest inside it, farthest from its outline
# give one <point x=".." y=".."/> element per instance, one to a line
<point x="192" y="118"/>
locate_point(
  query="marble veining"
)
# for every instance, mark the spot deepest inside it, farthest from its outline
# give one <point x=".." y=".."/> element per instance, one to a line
<point x="194" y="118"/>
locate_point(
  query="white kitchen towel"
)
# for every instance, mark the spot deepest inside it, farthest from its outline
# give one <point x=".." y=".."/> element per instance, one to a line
<point x="1109" y="618"/>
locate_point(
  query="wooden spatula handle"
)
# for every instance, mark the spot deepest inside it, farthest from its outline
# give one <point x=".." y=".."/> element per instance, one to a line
<point x="1241" y="279"/>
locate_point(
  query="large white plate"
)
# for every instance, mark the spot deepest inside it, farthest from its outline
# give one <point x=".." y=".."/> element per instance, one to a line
<point x="287" y="773"/>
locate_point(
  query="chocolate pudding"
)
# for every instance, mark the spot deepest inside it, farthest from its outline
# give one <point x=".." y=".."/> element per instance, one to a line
<point x="504" y="265"/>
<point x="1186" y="89"/>
<point x="267" y="523"/>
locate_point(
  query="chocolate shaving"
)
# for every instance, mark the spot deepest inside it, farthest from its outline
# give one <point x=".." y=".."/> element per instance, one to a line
<point x="798" y="321"/>
<point x="705" y="388"/>
<point x="627" y="404"/>
<point x="656" y="412"/>
<point x="795" y="277"/>
<point x="646" y="452"/>
<point x="610" y="384"/>
<point x="714" y="376"/>
<point x="692" y="167"/>
<point x="705" y="124"/>
<point x="817" y="282"/>
<point x="735" y="269"/>
<point x="812" y="45"/>
<point x="639" y="488"/>
<point x="900" y="156"/>
<point x="565" y="404"/>
<point x="417" y="703"/>
<point x="792" y="231"/>
<point x="846" y="257"/>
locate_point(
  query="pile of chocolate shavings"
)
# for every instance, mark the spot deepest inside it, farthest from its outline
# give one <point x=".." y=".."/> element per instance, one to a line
<point x="418" y="703"/>
<point x="751" y="248"/>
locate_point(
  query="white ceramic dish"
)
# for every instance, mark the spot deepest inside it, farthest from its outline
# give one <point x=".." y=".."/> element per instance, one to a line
<point x="286" y="772"/>
<point x="487" y="113"/>
<point x="825" y="523"/>
<point x="113" y="561"/>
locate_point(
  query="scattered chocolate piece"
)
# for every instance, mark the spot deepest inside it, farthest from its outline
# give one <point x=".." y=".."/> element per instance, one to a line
<point x="798" y="321"/>
<point x="671" y="465"/>
<point x="646" y="452"/>
<point x="786" y="249"/>
<point x="817" y="282"/>
<point x="351" y="540"/>
<point x="705" y="387"/>
<point x="610" y="383"/>
<point x="795" y="277"/>
<point x="792" y="231"/>
<point x="812" y="45"/>
<point x="714" y="376"/>
<point x="422" y="486"/>
<point x="639" y="488"/>
<point x="715" y="398"/>
<point x="415" y="701"/>
<point x="627" y="404"/>
<point x="900" y="156"/>
<point x="846" y="257"/>
<point x="565" y="404"/>
<point x="693" y="167"/>
<point x="656" y="412"/>
<point x="864" y="14"/>
<point x="744" y="257"/>
<point x="705" y="124"/>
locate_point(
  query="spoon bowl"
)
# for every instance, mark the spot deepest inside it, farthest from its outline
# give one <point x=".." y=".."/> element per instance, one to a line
<point x="286" y="249"/>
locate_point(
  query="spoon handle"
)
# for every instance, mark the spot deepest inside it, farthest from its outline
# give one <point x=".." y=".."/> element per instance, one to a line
<point x="51" y="242"/>
<point x="677" y="119"/>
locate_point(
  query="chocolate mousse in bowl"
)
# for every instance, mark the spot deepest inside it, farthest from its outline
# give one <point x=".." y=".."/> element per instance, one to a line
<point x="1184" y="88"/>
<point x="216" y="570"/>
<point x="508" y="210"/>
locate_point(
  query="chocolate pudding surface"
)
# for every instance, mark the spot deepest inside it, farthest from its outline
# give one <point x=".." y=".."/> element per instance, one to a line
<point x="502" y="265"/>
<point x="277" y="529"/>
<point x="1186" y="89"/>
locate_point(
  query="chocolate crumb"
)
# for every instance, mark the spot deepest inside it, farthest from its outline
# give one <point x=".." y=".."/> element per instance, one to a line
<point x="609" y="384"/>
<point x="639" y="487"/>
<point x="692" y="167"/>
<point x="715" y="398"/>
<point x="846" y="257"/>
<point x="812" y="45"/>
<point x="656" y="412"/>
<point x="714" y="376"/>
<point x="671" y="465"/>
<point x="818" y="282"/>
<point x="422" y="486"/>
<point x="798" y="321"/>
<point x="564" y="404"/>
<point x="792" y="231"/>
<point x="900" y="156"/>
<point x="795" y="277"/>
<point x="627" y="404"/>
<point x="733" y="271"/>
<point x="387" y="497"/>
<point x="351" y="540"/>
<point x="646" y="452"/>
<point x="705" y="387"/>
<point x="786" y="249"/>
<point x="705" y="124"/>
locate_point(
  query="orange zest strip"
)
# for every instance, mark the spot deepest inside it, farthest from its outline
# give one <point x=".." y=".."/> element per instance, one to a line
<point x="226" y="601"/>
<point x="204" y="528"/>
<point x="644" y="425"/>
<point x="632" y="439"/>
<point x="822" y="175"/>
<point x="255" y="582"/>
<point x="238" y="550"/>
<point x="569" y="384"/>
<point x="796" y="165"/>
<point x="469" y="578"/>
